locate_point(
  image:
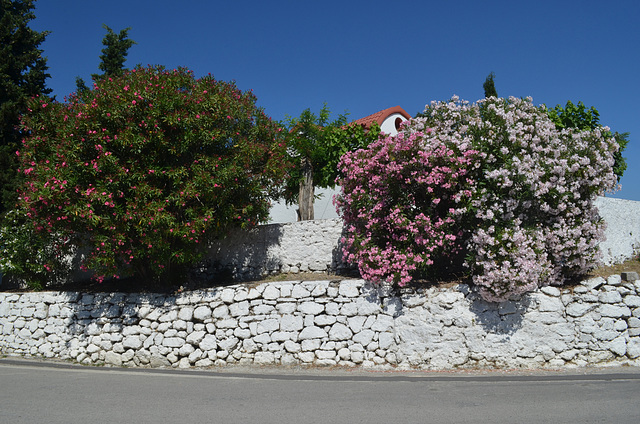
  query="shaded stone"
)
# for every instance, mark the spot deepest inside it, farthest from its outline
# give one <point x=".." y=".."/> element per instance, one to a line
<point x="614" y="311"/>
<point x="629" y="276"/>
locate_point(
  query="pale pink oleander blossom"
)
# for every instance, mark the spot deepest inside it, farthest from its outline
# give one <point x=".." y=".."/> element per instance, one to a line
<point x="494" y="180"/>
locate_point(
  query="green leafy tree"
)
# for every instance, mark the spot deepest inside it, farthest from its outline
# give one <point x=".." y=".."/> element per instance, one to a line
<point x="148" y="169"/>
<point x="316" y="145"/>
<point x="23" y="72"/>
<point x="113" y="56"/>
<point x="489" y="86"/>
<point x="587" y="119"/>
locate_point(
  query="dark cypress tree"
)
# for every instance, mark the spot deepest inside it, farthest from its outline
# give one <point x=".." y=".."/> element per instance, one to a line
<point x="23" y="72"/>
<point x="115" y="52"/>
<point x="489" y="86"/>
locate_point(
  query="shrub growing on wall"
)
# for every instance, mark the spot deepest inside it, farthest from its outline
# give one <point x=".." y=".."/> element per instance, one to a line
<point x="402" y="203"/>
<point x="145" y="168"/>
<point x="496" y="181"/>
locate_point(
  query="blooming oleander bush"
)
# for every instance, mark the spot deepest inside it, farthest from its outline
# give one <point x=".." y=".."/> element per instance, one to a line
<point x="401" y="203"/>
<point x="519" y="197"/>
<point x="144" y="169"/>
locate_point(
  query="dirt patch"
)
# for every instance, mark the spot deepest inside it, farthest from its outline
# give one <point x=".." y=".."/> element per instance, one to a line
<point x="132" y="285"/>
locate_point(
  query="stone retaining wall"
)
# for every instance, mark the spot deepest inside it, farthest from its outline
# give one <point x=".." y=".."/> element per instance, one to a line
<point x="345" y="323"/>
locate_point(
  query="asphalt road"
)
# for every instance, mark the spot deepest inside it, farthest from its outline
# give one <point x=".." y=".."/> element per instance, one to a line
<point x="52" y="392"/>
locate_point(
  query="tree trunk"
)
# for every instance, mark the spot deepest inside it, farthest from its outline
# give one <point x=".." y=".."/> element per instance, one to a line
<point x="306" y="193"/>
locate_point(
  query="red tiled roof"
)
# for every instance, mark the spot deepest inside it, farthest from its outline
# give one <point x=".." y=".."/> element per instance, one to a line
<point x="379" y="117"/>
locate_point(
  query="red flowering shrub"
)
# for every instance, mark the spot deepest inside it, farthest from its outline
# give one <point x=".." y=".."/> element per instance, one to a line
<point x="147" y="167"/>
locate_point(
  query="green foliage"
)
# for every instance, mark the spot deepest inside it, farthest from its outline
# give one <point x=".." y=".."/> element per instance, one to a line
<point x="37" y="258"/>
<point x="23" y="72"/>
<point x="489" y="86"/>
<point x="620" y="164"/>
<point x="579" y="117"/>
<point x="146" y="168"/>
<point x="323" y="142"/>
<point x="575" y="116"/>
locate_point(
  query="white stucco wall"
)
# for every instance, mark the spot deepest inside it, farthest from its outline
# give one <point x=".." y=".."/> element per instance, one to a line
<point x="323" y="208"/>
<point x="623" y="229"/>
<point x="389" y="124"/>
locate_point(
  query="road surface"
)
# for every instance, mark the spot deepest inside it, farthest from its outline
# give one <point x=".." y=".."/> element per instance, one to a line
<point x="55" y="392"/>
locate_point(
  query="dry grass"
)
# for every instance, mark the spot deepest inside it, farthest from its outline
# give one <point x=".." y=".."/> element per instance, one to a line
<point x="131" y="285"/>
<point x="605" y="271"/>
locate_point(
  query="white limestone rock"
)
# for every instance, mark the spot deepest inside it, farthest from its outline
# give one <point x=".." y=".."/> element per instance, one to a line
<point x="227" y="295"/>
<point x="300" y="292"/>
<point x="208" y="343"/>
<point x="340" y="332"/>
<point x="577" y="309"/>
<point x="132" y="342"/>
<point x="220" y="312"/>
<point x="291" y="323"/>
<point x="323" y="320"/>
<point x="310" y="308"/>
<point x="268" y="325"/>
<point x="364" y="337"/>
<point x="312" y="332"/>
<point x="614" y="311"/>
<point x="239" y="309"/>
<point x="173" y="342"/>
<point x="271" y="292"/>
<point x="349" y="288"/>
<point x="610" y="296"/>
<point x="264" y="358"/>
<point x="186" y="313"/>
<point x="202" y="313"/>
<point x="633" y="348"/>
<point x="618" y="346"/>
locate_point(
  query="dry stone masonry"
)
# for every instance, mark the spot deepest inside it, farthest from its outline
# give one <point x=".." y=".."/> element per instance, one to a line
<point x="323" y="323"/>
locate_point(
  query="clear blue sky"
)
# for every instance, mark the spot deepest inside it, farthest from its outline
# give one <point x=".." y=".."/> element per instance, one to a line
<point x="364" y="56"/>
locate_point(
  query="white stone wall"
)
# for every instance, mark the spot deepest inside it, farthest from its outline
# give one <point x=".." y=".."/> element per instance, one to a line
<point x="345" y="323"/>
<point x="623" y="229"/>
<point x="309" y="246"/>
<point x="294" y="247"/>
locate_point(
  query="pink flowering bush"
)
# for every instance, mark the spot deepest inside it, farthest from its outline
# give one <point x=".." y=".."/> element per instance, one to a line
<point x="144" y="169"/>
<point x="401" y="202"/>
<point x="519" y="197"/>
